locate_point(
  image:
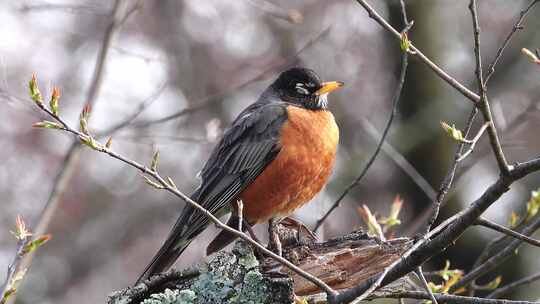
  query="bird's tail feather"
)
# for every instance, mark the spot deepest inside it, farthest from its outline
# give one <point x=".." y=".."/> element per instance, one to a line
<point x="176" y="243"/>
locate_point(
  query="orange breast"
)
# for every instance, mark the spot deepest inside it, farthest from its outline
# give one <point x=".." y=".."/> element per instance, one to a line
<point x="300" y="170"/>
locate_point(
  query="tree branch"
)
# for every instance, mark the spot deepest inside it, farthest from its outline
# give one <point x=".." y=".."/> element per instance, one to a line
<point x="424" y="249"/>
<point x="449" y="178"/>
<point x="501" y="256"/>
<point x="492" y="225"/>
<point x="517" y="26"/>
<point x="452" y="298"/>
<point x="484" y="103"/>
<point x="514" y="285"/>
<point x="473" y="97"/>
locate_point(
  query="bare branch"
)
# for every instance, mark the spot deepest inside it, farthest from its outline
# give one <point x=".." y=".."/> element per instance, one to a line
<point x="492" y="225"/>
<point x="454" y="227"/>
<point x="25" y="245"/>
<point x="449" y="178"/>
<point x="420" y="275"/>
<point x="416" y="52"/>
<point x="484" y="103"/>
<point x="517" y="26"/>
<point x="452" y="298"/>
<point x="473" y="142"/>
<point x="425" y="249"/>
<point x="500" y="256"/>
<point x="514" y="285"/>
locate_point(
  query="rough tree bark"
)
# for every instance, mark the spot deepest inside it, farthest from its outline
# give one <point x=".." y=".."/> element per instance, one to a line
<point x="239" y="277"/>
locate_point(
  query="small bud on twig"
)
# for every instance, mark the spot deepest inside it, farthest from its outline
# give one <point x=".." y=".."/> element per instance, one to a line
<point x="373" y="226"/>
<point x="35" y="94"/>
<point x="47" y="125"/>
<point x="533" y="205"/>
<point x="83" y="119"/>
<point x="21" y="232"/>
<point x="55" y="96"/>
<point x="404" y="43"/>
<point x="171" y="182"/>
<point x="108" y="144"/>
<point x="152" y="183"/>
<point x="91" y="142"/>
<point x="532" y="56"/>
<point x="35" y="244"/>
<point x="452" y="131"/>
<point x="393" y="217"/>
<point x="155" y="161"/>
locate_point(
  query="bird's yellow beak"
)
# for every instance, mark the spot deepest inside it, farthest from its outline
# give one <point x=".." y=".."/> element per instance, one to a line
<point x="328" y="87"/>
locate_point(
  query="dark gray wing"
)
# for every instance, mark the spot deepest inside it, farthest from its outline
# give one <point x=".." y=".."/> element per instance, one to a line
<point x="246" y="148"/>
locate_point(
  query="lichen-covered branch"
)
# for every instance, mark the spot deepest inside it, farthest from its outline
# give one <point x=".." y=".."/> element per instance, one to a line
<point x="238" y="277"/>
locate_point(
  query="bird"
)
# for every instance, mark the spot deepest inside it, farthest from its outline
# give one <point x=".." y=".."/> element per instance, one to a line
<point x="275" y="157"/>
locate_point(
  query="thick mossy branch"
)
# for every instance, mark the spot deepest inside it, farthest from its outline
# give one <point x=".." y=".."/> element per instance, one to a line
<point x="228" y="278"/>
<point x="238" y="277"/>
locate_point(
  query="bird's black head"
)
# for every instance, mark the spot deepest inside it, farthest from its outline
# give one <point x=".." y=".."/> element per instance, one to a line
<point x="304" y="87"/>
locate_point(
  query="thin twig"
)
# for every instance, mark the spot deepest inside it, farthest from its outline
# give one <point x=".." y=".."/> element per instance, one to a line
<point x="517" y="26"/>
<point x="373" y="283"/>
<point x="473" y="97"/>
<point x="400" y="161"/>
<point x="473" y="142"/>
<point x="446" y="298"/>
<point x="448" y="179"/>
<point x="422" y="278"/>
<point x="462" y="220"/>
<point x="164" y="184"/>
<point x="500" y="256"/>
<point x="513" y="286"/>
<point x="494" y="246"/>
<point x="13" y="268"/>
<point x="516" y="121"/>
<point x="492" y="225"/>
<point x="484" y="103"/>
<point x="70" y="160"/>
<point x="439" y="239"/>
<point x="395" y="101"/>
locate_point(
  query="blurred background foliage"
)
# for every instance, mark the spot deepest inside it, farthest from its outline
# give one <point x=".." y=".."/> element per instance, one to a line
<point x="183" y="54"/>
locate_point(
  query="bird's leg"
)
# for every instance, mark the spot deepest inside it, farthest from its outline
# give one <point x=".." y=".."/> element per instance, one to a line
<point x="274" y="243"/>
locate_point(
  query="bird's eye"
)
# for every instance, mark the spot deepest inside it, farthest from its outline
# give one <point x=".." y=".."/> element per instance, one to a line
<point x="300" y="89"/>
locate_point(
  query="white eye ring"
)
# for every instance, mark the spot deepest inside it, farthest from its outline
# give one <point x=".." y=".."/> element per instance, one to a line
<point x="300" y="89"/>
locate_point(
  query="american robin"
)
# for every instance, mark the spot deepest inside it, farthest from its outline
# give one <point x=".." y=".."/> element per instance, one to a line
<point x="276" y="156"/>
